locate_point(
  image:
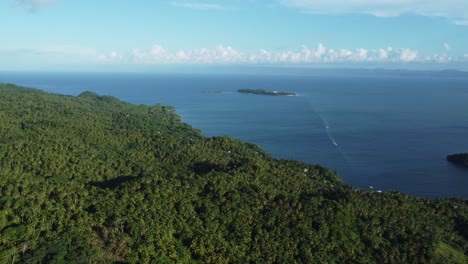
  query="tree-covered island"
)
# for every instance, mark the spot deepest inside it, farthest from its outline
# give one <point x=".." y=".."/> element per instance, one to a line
<point x="460" y="159"/>
<point x="92" y="179"/>
<point x="265" y="92"/>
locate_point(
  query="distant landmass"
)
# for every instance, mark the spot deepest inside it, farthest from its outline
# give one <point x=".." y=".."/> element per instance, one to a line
<point x="265" y="92"/>
<point x="460" y="159"/>
<point x="329" y="72"/>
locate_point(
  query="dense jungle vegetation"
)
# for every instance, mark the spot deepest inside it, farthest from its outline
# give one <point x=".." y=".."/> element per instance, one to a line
<point x="92" y="179"/>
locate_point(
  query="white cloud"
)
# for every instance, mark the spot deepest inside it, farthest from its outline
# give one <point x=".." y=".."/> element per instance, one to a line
<point x="383" y="54"/>
<point x="408" y="55"/>
<point x="440" y="58"/>
<point x="454" y="10"/>
<point x="360" y="55"/>
<point x="112" y="57"/>
<point x="159" y="55"/>
<point x="138" y="55"/>
<point x="345" y="53"/>
<point x="198" y="5"/>
<point x="157" y="51"/>
<point x="320" y="50"/>
<point x="223" y="54"/>
<point x="218" y="55"/>
<point x="228" y="55"/>
<point x="447" y="47"/>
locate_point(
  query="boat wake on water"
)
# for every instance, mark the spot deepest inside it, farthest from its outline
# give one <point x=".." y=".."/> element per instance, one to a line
<point x="327" y="129"/>
<point x="326" y="125"/>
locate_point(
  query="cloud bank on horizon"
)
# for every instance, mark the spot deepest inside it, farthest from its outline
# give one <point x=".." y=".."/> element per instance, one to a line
<point x="222" y="54"/>
<point x="227" y="55"/>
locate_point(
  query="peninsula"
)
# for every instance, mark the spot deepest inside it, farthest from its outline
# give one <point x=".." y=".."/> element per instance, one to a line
<point x="93" y="179"/>
<point x="265" y="92"/>
<point x="460" y="159"/>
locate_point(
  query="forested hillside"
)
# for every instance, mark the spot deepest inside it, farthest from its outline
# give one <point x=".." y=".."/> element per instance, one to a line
<point x="92" y="179"/>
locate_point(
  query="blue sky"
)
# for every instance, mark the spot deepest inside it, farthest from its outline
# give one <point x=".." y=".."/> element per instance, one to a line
<point x="79" y="35"/>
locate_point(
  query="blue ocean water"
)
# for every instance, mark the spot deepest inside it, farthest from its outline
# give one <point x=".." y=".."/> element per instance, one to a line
<point x="389" y="132"/>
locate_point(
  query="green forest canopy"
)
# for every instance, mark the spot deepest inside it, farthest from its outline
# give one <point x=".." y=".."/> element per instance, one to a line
<point x="92" y="179"/>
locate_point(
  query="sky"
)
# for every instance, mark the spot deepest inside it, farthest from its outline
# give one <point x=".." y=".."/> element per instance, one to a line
<point x="146" y="34"/>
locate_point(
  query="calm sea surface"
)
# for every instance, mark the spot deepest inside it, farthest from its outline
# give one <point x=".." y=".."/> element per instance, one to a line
<point x="389" y="132"/>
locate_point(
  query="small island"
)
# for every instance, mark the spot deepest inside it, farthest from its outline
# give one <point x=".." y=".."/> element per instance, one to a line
<point x="265" y="92"/>
<point x="460" y="159"/>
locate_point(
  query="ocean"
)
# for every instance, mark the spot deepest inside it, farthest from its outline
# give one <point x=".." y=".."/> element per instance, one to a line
<point x="389" y="132"/>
